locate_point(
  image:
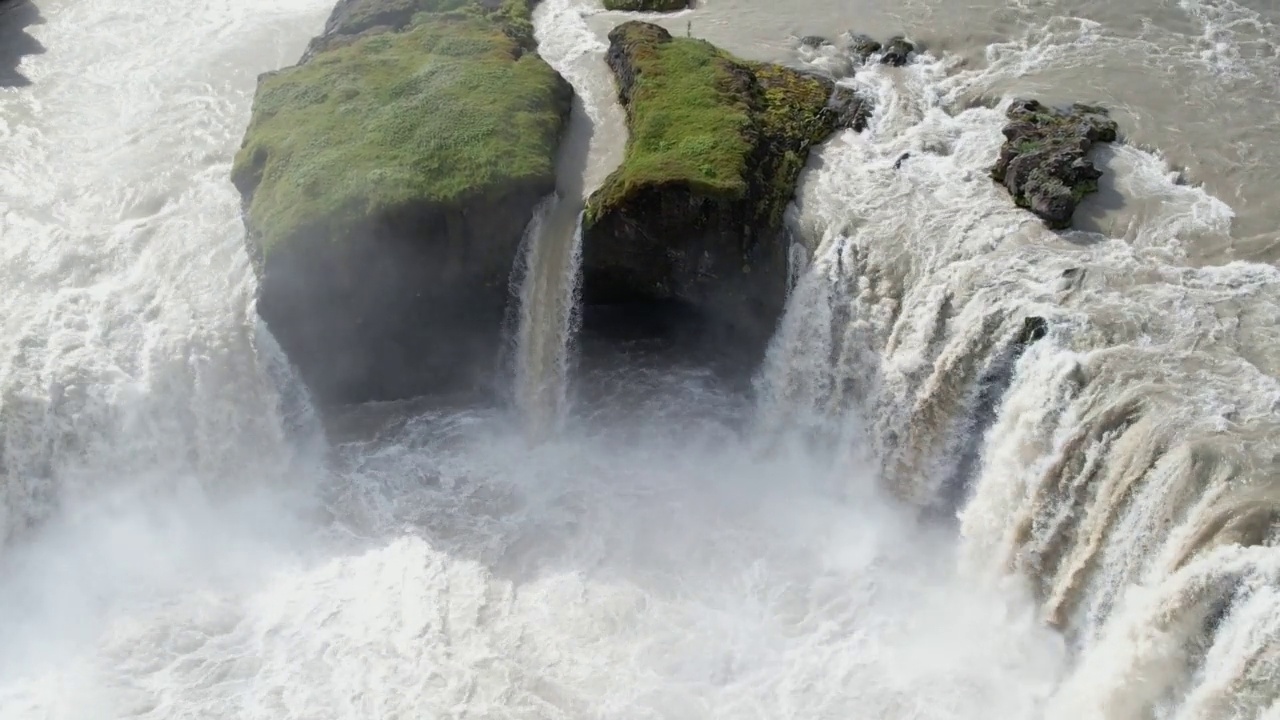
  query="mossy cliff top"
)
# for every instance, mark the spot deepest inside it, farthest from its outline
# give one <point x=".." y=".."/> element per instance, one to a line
<point x="703" y="120"/>
<point x="420" y="103"/>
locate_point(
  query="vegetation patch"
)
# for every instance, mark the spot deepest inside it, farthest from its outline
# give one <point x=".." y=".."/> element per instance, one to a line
<point x="449" y="109"/>
<point x="708" y="122"/>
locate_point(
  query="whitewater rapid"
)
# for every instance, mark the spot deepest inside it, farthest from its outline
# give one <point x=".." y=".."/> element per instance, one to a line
<point x="1133" y="451"/>
<point x="917" y="518"/>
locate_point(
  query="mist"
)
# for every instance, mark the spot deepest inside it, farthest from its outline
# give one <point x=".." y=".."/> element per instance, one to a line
<point x="660" y="563"/>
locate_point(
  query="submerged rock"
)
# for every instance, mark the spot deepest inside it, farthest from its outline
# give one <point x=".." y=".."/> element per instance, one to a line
<point x="647" y="5"/>
<point x="897" y="51"/>
<point x="813" y="41"/>
<point x="1034" y="328"/>
<point x="387" y="182"/>
<point x="1043" y="162"/>
<point x="694" y="213"/>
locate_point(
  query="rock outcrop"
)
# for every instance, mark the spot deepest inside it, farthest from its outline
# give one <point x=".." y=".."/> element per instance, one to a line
<point x="897" y="52"/>
<point x="1044" y="160"/>
<point x="387" y="179"/>
<point x="693" y="215"/>
<point x="861" y="47"/>
<point x="647" y="5"/>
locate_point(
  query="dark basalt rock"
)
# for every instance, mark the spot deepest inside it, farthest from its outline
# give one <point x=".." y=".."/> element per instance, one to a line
<point x="862" y="46"/>
<point x="851" y="109"/>
<point x="693" y="215"/>
<point x="897" y="51"/>
<point x="1043" y="162"/>
<point x="813" y="41"/>
<point x="1033" y="328"/>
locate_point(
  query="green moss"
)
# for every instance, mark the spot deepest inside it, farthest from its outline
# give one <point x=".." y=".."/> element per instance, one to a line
<point x="720" y="126"/>
<point x="687" y="124"/>
<point x="360" y="15"/>
<point x="448" y="111"/>
<point x="794" y="118"/>
<point x="646" y="5"/>
<point x="1084" y="188"/>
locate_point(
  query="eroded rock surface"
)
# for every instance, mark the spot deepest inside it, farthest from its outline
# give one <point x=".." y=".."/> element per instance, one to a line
<point x="1044" y="161"/>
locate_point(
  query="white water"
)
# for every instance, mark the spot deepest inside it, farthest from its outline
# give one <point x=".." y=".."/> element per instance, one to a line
<point x="548" y="301"/>
<point x="1136" y="443"/>
<point x="181" y="549"/>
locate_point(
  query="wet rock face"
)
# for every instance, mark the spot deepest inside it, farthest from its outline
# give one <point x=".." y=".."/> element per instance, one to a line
<point x="862" y="46"/>
<point x="897" y="52"/>
<point x="387" y="180"/>
<point x="693" y="215"/>
<point x="1043" y="162"/>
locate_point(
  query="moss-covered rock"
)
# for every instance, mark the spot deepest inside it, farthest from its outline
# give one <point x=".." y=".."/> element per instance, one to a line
<point x="387" y="181"/>
<point x="694" y="212"/>
<point x="646" y="5"/>
<point x="1043" y="162"/>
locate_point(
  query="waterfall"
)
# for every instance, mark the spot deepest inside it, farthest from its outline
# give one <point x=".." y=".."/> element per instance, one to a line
<point x="992" y="471"/>
<point x="545" y="286"/>
<point x="1099" y="418"/>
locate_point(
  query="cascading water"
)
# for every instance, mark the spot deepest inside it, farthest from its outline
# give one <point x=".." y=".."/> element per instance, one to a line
<point x="1129" y="475"/>
<point x="177" y="551"/>
<point x="548" y="307"/>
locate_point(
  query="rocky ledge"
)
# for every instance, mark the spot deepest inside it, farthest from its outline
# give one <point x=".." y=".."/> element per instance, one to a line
<point x="647" y="5"/>
<point x="693" y="216"/>
<point x="387" y="180"/>
<point x="1044" y="160"/>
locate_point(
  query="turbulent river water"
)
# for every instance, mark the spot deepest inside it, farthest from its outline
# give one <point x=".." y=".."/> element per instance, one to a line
<point x="907" y="519"/>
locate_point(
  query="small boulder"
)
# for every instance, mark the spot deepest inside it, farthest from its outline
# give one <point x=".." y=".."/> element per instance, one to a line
<point x="813" y="41"/>
<point x="1033" y="329"/>
<point x="897" y="52"/>
<point x="1044" y="160"/>
<point x="861" y="46"/>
